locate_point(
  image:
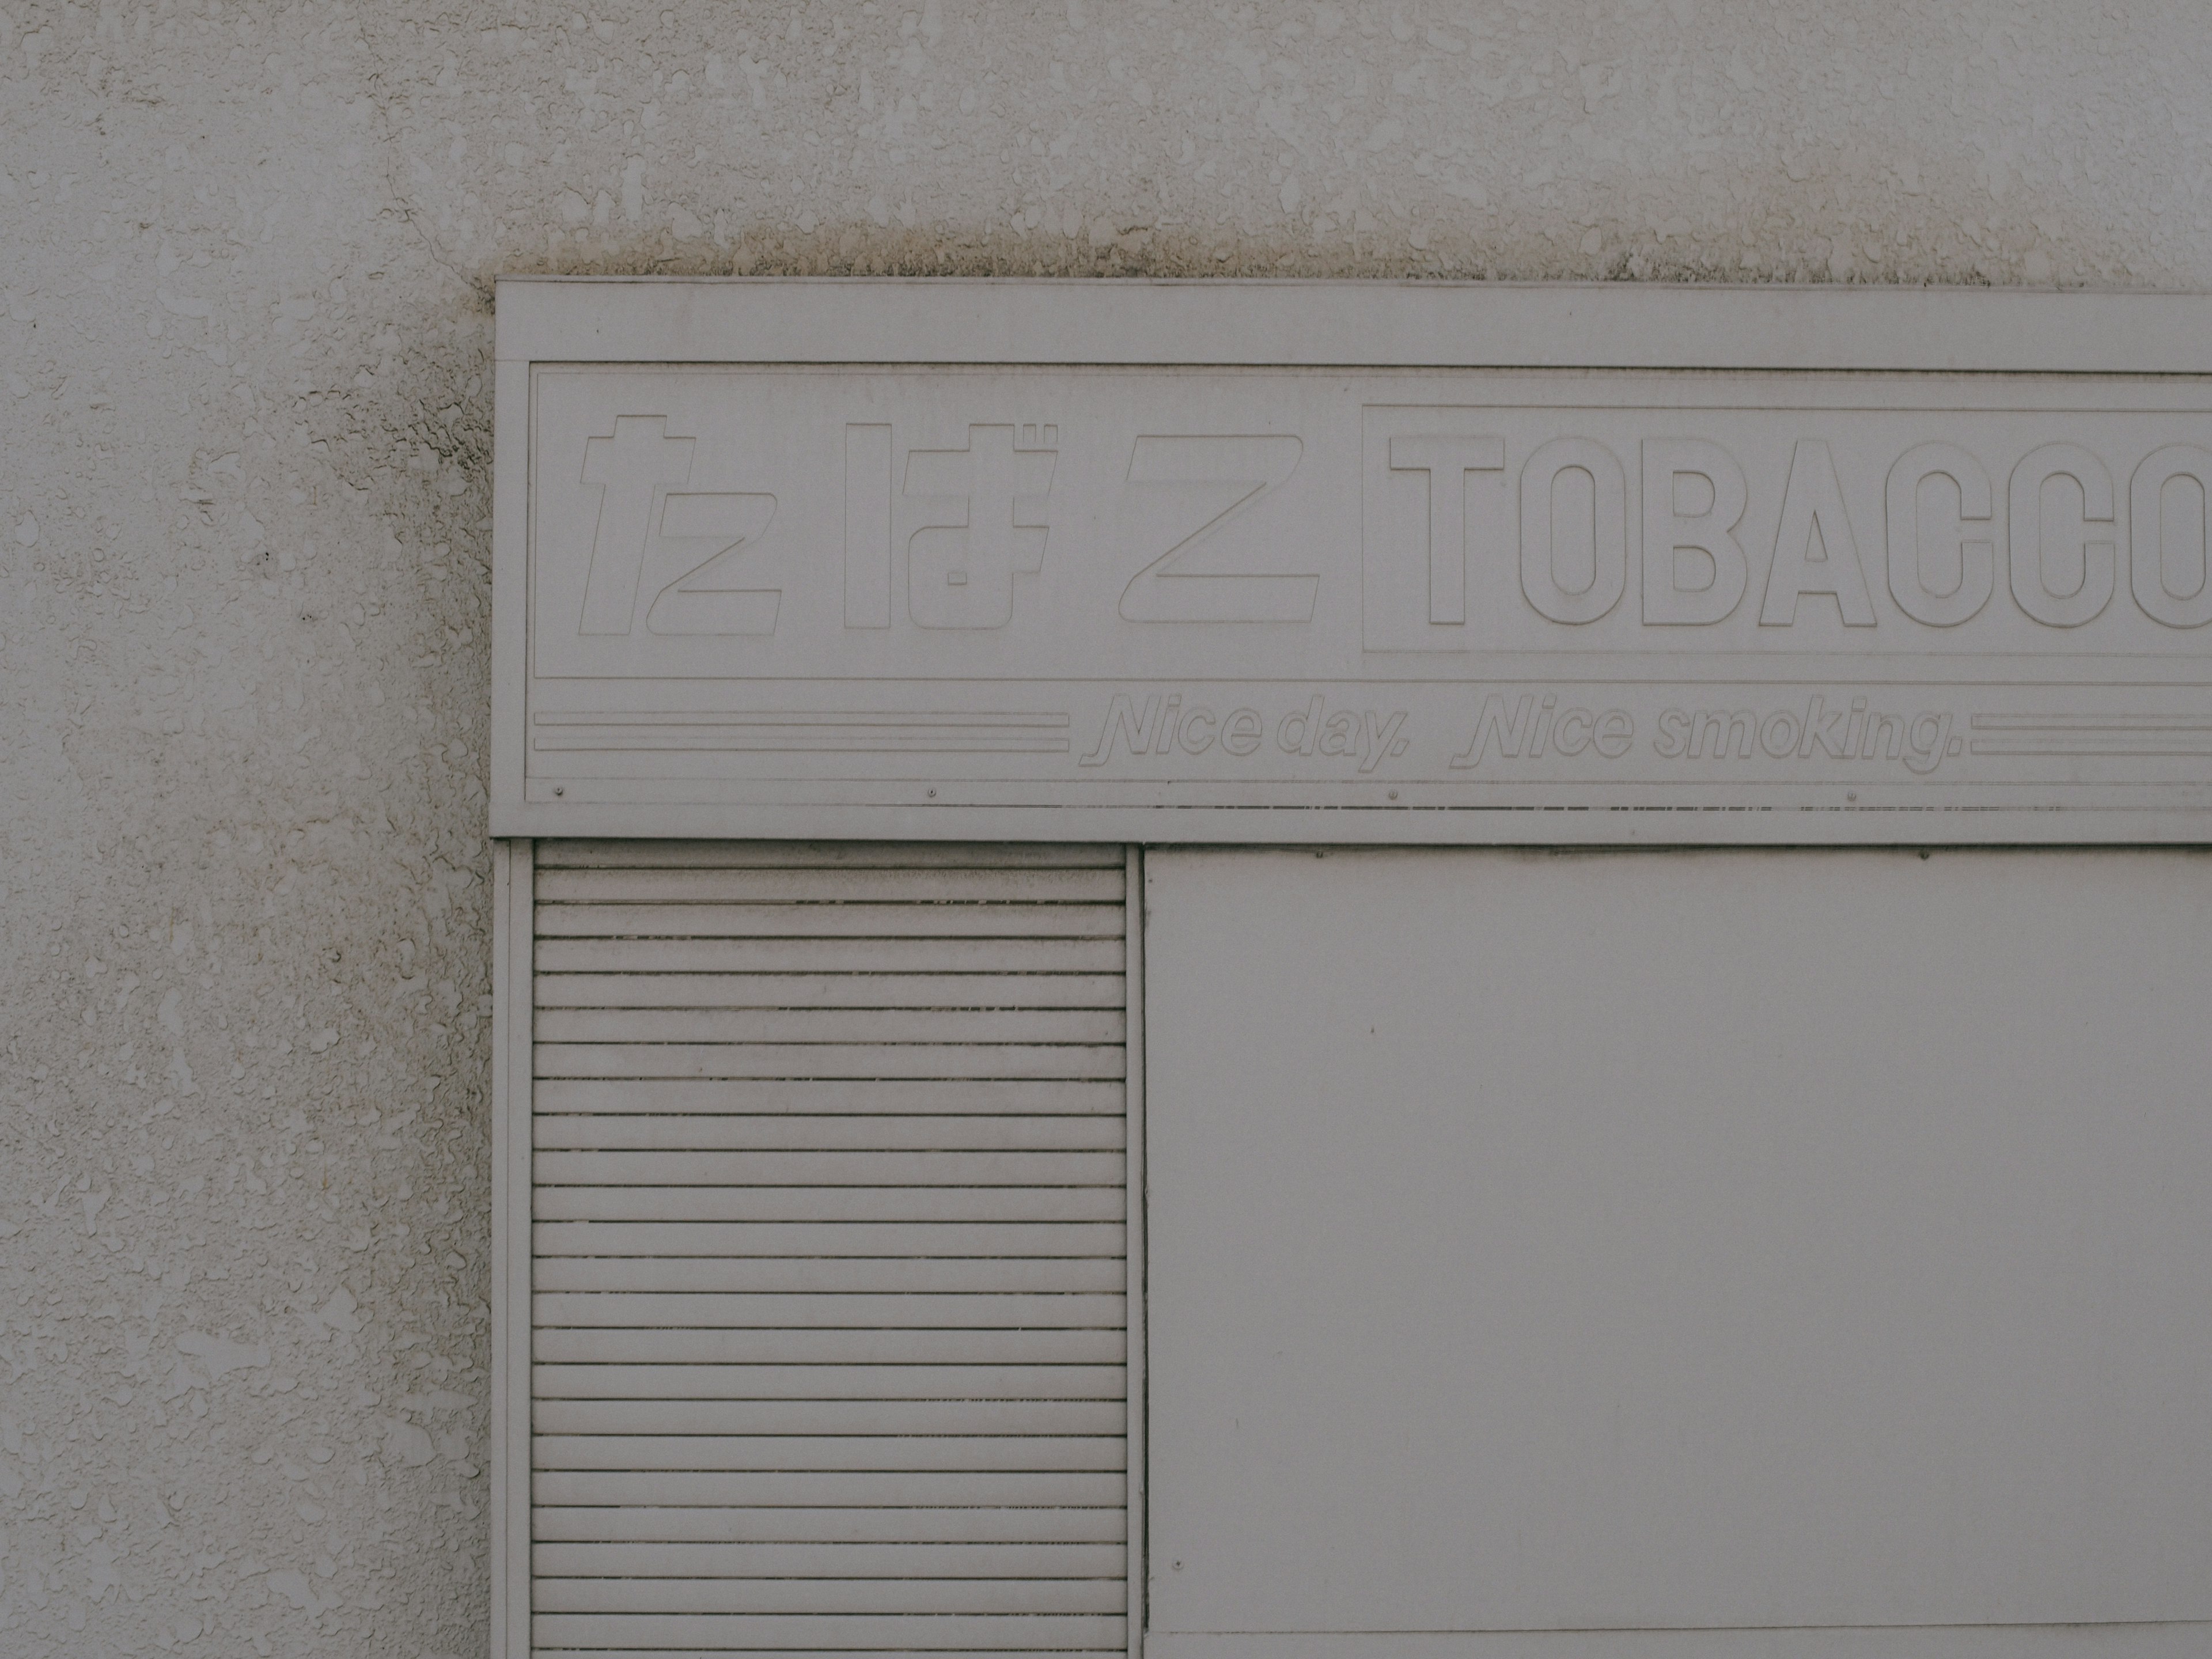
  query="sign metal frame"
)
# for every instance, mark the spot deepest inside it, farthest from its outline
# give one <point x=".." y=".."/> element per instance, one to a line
<point x="1691" y="356"/>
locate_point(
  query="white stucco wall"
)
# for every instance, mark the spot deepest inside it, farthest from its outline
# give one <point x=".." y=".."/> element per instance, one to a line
<point x="244" y="253"/>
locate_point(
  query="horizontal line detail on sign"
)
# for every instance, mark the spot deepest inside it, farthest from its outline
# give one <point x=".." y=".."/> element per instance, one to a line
<point x="839" y="730"/>
<point x="2090" y="735"/>
<point x="807" y="717"/>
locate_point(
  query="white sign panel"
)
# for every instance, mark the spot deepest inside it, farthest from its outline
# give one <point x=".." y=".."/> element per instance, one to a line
<point x="1186" y="600"/>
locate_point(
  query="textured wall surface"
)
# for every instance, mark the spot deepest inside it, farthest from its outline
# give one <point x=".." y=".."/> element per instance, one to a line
<point x="245" y="253"/>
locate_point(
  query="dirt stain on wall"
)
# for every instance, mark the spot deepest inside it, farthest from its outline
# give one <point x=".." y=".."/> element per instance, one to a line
<point x="244" y="408"/>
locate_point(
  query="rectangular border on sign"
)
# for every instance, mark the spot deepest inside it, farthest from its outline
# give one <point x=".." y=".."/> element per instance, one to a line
<point x="1211" y="323"/>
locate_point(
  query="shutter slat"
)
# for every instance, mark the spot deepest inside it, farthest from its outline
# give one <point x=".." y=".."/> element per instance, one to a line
<point x="688" y="1651"/>
<point x="829" y="1203"/>
<point x="778" y="1239"/>
<point x="699" y="1131"/>
<point x="696" y="1311"/>
<point x="822" y="856"/>
<point x="830" y="1315"/>
<point x="854" y="1059"/>
<point x="862" y="1026"/>
<point x="831" y="1416"/>
<point x="706" y="1523"/>
<point x="909" y="1380"/>
<point x="830" y="921"/>
<point x="836" y="1275"/>
<point x="830" y="1489"/>
<point x="822" y="990"/>
<point x="799" y="1453"/>
<point x="1021" y="1168"/>
<point x="815" y="1095"/>
<point x="977" y="1597"/>
<point x="802" y="1561"/>
<point x="829" y="1347"/>
<point x="803" y="1632"/>
<point x="693" y="1651"/>
<point x="846" y="886"/>
<point x="651" y="958"/>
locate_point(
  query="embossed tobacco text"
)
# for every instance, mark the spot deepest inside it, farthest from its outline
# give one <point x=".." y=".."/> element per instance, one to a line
<point x="1920" y="740"/>
<point x="1684" y="526"/>
<point x="1471" y="520"/>
<point x="1535" y="725"/>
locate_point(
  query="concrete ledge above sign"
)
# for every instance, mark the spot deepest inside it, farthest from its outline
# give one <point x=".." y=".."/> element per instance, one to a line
<point x="1545" y="578"/>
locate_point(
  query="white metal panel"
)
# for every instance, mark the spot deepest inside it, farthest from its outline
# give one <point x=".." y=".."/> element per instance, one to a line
<point x="828" y="1160"/>
<point x="1570" y="1243"/>
<point x="1423" y="324"/>
<point x="1352" y="563"/>
<point x="2152" y="1641"/>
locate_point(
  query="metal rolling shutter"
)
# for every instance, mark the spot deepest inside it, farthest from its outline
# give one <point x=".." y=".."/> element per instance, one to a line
<point x="829" y="1225"/>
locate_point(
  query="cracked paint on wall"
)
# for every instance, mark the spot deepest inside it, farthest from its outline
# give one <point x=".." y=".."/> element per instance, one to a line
<point x="245" y="410"/>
